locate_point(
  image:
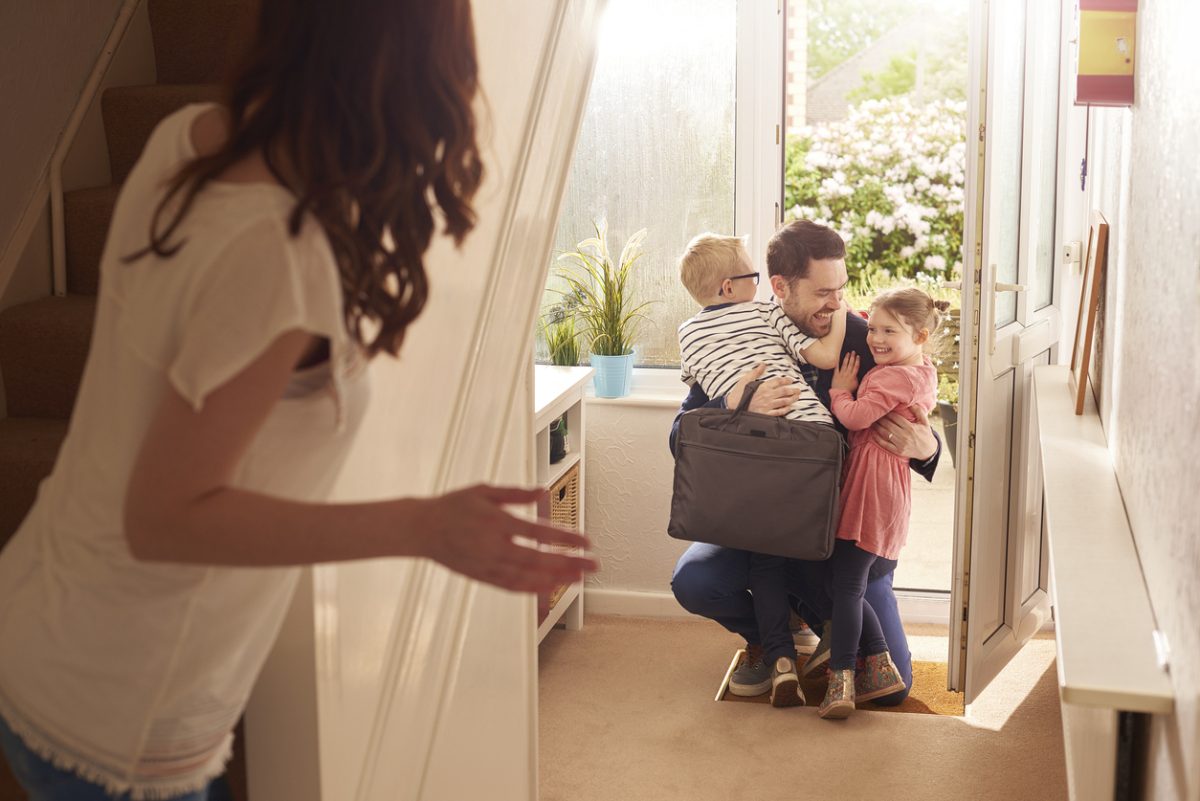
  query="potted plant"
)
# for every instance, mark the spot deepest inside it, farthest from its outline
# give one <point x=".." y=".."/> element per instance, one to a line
<point x="947" y="405"/>
<point x="605" y="311"/>
<point x="562" y="339"/>
<point x="946" y="362"/>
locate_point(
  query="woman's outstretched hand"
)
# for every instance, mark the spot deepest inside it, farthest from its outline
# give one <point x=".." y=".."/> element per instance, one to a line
<point x="470" y="532"/>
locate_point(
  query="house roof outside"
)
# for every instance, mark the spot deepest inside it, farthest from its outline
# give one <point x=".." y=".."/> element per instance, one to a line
<point x="827" y="94"/>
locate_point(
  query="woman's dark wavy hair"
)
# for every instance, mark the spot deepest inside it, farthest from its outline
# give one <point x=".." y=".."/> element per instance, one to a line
<point x="368" y="104"/>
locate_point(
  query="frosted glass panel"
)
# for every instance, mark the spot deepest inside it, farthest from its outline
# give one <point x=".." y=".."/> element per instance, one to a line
<point x="656" y="149"/>
<point x="1043" y="79"/>
<point x="1004" y="141"/>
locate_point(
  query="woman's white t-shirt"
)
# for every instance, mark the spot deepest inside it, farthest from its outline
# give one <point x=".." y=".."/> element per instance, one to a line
<point x="132" y="674"/>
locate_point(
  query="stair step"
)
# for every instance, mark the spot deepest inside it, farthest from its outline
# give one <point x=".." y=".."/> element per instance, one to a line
<point x="28" y="447"/>
<point x="88" y="213"/>
<point x="199" y="42"/>
<point x="43" y="347"/>
<point x="132" y="112"/>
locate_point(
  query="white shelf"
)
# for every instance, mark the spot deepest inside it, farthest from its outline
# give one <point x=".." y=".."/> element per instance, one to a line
<point x="559" y="392"/>
<point x="571" y="595"/>
<point x="560" y="468"/>
<point x="555" y="389"/>
<point x="1099" y="589"/>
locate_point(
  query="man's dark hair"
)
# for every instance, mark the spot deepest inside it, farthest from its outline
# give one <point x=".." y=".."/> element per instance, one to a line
<point x="796" y="244"/>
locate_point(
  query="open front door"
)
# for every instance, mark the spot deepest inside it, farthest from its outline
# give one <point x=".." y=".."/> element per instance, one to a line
<point x="1010" y="324"/>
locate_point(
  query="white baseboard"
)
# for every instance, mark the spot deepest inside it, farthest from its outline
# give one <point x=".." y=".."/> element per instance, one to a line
<point x="632" y="603"/>
<point x="915" y="607"/>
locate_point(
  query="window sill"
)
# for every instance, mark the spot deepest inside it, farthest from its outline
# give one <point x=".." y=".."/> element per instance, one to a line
<point x="657" y="388"/>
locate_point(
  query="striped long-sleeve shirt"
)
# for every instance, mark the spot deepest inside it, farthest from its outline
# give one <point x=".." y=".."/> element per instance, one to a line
<point x="722" y="342"/>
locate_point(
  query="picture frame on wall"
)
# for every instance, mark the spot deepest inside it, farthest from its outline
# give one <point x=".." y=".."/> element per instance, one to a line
<point x="1094" y="265"/>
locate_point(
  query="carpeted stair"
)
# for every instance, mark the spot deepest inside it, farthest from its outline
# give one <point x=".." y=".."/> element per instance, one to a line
<point x="44" y="344"/>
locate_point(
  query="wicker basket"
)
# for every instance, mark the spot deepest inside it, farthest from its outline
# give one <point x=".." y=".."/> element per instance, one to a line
<point x="564" y="511"/>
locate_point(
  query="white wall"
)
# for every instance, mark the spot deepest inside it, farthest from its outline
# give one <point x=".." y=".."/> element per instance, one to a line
<point x="47" y="49"/>
<point x="1145" y="179"/>
<point x="627" y="500"/>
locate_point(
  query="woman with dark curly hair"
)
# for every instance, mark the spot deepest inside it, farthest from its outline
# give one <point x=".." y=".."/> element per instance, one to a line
<point x="261" y="253"/>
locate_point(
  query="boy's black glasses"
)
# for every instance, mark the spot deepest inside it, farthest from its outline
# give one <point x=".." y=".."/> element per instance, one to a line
<point x="745" y="275"/>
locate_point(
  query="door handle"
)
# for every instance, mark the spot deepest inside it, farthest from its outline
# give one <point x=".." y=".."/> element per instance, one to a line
<point x="998" y="287"/>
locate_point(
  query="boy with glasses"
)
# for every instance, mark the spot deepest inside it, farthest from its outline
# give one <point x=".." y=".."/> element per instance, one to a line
<point x="732" y="333"/>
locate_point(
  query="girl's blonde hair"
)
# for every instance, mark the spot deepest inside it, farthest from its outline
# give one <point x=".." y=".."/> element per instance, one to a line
<point x="913" y="307"/>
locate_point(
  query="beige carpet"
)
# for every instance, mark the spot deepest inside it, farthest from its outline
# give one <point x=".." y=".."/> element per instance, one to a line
<point x="627" y="713"/>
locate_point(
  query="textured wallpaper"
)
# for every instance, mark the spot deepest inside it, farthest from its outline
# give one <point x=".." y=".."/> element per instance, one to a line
<point x="628" y="496"/>
<point x="1147" y="173"/>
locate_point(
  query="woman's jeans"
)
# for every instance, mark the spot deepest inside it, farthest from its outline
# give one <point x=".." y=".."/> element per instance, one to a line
<point x="714" y="582"/>
<point x="41" y="781"/>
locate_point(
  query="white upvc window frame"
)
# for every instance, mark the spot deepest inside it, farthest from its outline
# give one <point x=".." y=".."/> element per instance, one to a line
<point x="758" y="170"/>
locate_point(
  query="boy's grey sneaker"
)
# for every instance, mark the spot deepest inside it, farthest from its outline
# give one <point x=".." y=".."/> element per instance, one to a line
<point x="805" y="638"/>
<point x="785" y="684"/>
<point x="753" y="676"/>
<point x="820" y="657"/>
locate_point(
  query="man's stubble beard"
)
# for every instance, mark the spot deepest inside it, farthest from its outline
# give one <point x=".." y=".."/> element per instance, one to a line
<point x="809" y="328"/>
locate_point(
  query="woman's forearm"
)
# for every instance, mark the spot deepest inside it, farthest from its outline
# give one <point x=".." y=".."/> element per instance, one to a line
<point x="236" y="527"/>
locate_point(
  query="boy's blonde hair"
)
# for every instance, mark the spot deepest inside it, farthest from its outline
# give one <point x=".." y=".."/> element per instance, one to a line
<point x="709" y="260"/>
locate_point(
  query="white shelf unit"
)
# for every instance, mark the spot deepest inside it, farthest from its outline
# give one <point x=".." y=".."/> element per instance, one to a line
<point x="559" y="391"/>
<point x="1097" y="588"/>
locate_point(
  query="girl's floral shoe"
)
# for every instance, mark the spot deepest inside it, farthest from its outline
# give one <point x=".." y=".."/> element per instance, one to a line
<point x="878" y="677"/>
<point x="839" y="698"/>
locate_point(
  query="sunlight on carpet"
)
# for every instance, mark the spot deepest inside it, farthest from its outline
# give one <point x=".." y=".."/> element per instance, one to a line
<point x="929" y="695"/>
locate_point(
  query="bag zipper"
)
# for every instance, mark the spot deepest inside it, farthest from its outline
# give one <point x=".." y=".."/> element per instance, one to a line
<point x="755" y="455"/>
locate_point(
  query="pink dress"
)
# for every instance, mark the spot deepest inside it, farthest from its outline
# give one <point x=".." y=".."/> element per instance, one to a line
<point x="875" y="489"/>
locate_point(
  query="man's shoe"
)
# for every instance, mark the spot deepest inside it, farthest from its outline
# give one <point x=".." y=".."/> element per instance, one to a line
<point x="753" y="676"/>
<point x="821" y="655"/>
<point x="805" y="638"/>
<point x="839" y="698"/>
<point x="879" y="677"/>
<point x="785" y="684"/>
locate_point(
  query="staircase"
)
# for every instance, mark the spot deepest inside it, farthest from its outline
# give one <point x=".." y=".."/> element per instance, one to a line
<point x="44" y="344"/>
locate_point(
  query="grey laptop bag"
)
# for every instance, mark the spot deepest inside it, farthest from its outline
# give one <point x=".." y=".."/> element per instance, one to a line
<point x="755" y="482"/>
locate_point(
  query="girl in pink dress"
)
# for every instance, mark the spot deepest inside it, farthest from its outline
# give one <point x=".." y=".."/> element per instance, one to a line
<point x="875" y="492"/>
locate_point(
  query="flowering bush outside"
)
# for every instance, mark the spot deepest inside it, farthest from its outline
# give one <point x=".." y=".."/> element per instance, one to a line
<point x="890" y="180"/>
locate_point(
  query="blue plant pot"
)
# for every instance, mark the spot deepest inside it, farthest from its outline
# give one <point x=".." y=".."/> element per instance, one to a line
<point x="614" y="375"/>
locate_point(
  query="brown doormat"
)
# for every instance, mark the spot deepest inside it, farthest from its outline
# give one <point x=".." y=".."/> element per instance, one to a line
<point x="929" y="695"/>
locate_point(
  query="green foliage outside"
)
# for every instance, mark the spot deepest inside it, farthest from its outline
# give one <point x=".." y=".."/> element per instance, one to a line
<point x="936" y="70"/>
<point x="839" y="29"/>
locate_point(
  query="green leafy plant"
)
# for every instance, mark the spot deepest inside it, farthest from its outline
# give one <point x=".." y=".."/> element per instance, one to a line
<point x="948" y="389"/>
<point x="599" y="289"/>
<point x="562" y="340"/>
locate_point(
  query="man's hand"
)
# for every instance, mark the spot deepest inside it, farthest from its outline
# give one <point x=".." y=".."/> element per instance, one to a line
<point x="910" y="440"/>
<point x="846" y="375"/>
<point x="773" y="397"/>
